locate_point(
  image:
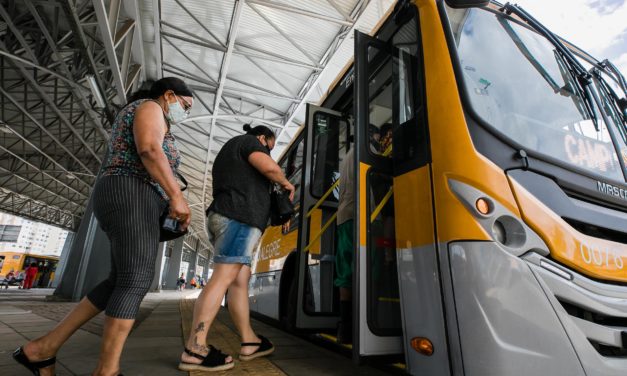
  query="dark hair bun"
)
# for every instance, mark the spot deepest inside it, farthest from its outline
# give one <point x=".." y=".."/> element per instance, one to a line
<point x="247" y="128"/>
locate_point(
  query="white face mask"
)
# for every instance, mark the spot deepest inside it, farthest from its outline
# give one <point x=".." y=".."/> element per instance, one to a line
<point x="176" y="113"/>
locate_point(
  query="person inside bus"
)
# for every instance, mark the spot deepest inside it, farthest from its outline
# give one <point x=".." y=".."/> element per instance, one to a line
<point x="136" y="186"/>
<point x="242" y="175"/>
<point x="31" y="274"/>
<point x="345" y="244"/>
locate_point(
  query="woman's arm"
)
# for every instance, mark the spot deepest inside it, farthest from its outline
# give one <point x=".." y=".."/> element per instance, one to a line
<point x="271" y="170"/>
<point x="149" y="131"/>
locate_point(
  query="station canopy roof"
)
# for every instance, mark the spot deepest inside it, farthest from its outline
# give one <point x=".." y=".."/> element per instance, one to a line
<point x="67" y="66"/>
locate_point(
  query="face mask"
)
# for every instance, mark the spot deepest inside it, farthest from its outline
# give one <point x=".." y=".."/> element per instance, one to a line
<point x="176" y="113"/>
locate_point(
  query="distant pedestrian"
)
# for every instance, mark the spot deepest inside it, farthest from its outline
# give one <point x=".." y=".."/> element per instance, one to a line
<point x="202" y="282"/>
<point x="31" y="273"/>
<point x="193" y="282"/>
<point x="180" y="283"/>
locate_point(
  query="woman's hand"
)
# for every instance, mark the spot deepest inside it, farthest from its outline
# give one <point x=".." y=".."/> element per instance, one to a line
<point x="290" y="188"/>
<point x="179" y="210"/>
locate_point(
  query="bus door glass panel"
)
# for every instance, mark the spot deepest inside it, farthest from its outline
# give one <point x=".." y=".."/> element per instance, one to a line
<point x="382" y="293"/>
<point x="329" y="135"/>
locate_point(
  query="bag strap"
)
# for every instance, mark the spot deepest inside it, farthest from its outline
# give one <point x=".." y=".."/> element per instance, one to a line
<point x="182" y="179"/>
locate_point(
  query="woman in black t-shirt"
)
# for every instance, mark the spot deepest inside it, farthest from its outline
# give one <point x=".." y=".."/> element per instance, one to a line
<point x="242" y="174"/>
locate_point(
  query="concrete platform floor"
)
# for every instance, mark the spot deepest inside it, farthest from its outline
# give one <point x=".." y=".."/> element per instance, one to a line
<point x="155" y="344"/>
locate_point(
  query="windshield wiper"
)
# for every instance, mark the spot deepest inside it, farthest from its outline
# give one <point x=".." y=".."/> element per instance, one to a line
<point x="621" y="103"/>
<point x="611" y="68"/>
<point x="583" y="79"/>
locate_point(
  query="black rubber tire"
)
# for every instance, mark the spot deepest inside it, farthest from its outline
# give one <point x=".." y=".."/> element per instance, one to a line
<point x="289" y="319"/>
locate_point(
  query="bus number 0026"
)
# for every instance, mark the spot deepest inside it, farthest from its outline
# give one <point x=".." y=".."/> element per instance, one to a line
<point x="600" y="257"/>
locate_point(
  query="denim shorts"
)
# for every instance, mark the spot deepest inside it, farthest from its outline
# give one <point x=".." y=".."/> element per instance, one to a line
<point x="233" y="242"/>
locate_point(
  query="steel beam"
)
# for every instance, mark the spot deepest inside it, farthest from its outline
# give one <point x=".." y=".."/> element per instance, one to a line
<point x="193" y="16"/>
<point x="285" y="35"/>
<point x="314" y="79"/>
<point x="292" y="9"/>
<point x="213" y="118"/>
<point x="81" y="44"/>
<point x="341" y="11"/>
<point x="156" y="21"/>
<point x="79" y="89"/>
<point x="132" y="8"/>
<point x="224" y="68"/>
<point x="105" y="25"/>
<point x="47" y="132"/>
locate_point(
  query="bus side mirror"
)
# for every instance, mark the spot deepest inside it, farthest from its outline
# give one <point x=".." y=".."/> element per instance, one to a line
<point x="467" y="3"/>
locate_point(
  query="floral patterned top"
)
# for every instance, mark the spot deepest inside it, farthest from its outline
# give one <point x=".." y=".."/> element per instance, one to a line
<point x="123" y="158"/>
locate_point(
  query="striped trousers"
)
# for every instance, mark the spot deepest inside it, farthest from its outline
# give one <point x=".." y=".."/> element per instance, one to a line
<point x="128" y="211"/>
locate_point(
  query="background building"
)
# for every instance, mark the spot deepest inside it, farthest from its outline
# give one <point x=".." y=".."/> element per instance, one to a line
<point x="24" y="236"/>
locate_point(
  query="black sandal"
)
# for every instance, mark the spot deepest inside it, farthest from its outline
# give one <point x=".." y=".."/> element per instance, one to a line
<point x="34" y="367"/>
<point x="214" y="361"/>
<point x="265" y="348"/>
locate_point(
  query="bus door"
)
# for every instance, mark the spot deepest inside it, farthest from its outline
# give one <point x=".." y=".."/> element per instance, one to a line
<point x="376" y="300"/>
<point x="397" y="293"/>
<point x="326" y="139"/>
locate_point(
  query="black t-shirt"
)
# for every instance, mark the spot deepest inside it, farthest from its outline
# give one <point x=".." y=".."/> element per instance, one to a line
<point x="240" y="191"/>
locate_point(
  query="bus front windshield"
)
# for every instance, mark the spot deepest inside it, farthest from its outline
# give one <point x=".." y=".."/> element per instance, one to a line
<point x="518" y="84"/>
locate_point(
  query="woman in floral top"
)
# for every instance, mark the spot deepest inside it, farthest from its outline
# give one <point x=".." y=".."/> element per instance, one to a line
<point x="136" y="185"/>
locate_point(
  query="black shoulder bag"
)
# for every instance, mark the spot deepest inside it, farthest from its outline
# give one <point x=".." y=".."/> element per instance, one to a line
<point x="281" y="208"/>
<point x="171" y="227"/>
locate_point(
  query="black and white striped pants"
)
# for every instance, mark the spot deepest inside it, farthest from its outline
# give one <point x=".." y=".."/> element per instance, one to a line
<point x="128" y="211"/>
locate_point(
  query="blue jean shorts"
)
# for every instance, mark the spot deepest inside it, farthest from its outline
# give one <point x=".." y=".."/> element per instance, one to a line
<point x="234" y="242"/>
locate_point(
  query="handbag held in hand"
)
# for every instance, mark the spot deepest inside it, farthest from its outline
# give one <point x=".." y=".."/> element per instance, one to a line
<point x="281" y="208"/>
<point x="171" y="227"/>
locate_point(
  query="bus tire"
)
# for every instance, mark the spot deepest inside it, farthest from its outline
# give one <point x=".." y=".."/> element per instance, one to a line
<point x="289" y="319"/>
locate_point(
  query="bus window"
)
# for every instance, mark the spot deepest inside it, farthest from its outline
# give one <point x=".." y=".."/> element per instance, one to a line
<point x="293" y="169"/>
<point x="383" y="312"/>
<point x="329" y="133"/>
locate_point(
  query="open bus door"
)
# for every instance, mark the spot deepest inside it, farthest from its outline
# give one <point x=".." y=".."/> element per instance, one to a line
<point x="377" y="328"/>
<point x="317" y="298"/>
<point x="397" y="290"/>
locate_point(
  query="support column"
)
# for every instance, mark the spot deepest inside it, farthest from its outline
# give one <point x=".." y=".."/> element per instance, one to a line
<point x="159" y="266"/>
<point x="65" y="253"/>
<point x="174" y="264"/>
<point x="89" y="259"/>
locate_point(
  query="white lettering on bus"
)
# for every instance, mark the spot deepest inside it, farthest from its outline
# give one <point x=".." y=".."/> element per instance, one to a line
<point x="611" y="190"/>
<point x="270" y="250"/>
<point x="588" y="153"/>
<point x="599" y="256"/>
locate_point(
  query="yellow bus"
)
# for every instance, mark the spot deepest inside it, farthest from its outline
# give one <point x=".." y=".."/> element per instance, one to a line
<point x="17" y="262"/>
<point x="490" y="235"/>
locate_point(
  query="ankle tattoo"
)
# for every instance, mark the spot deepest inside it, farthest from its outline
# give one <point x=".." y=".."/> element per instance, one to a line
<point x="200" y="327"/>
<point x="197" y="347"/>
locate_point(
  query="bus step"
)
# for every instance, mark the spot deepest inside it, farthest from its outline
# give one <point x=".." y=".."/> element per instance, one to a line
<point x="331" y="338"/>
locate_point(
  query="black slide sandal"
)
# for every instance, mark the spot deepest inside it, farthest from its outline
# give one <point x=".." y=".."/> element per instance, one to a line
<point x="265" y="348"/>
<point x="34" y="367"/>
<point x="214" y="361"/>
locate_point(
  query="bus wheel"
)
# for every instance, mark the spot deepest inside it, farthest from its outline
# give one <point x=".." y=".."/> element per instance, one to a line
<point x="288" y="321"/>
